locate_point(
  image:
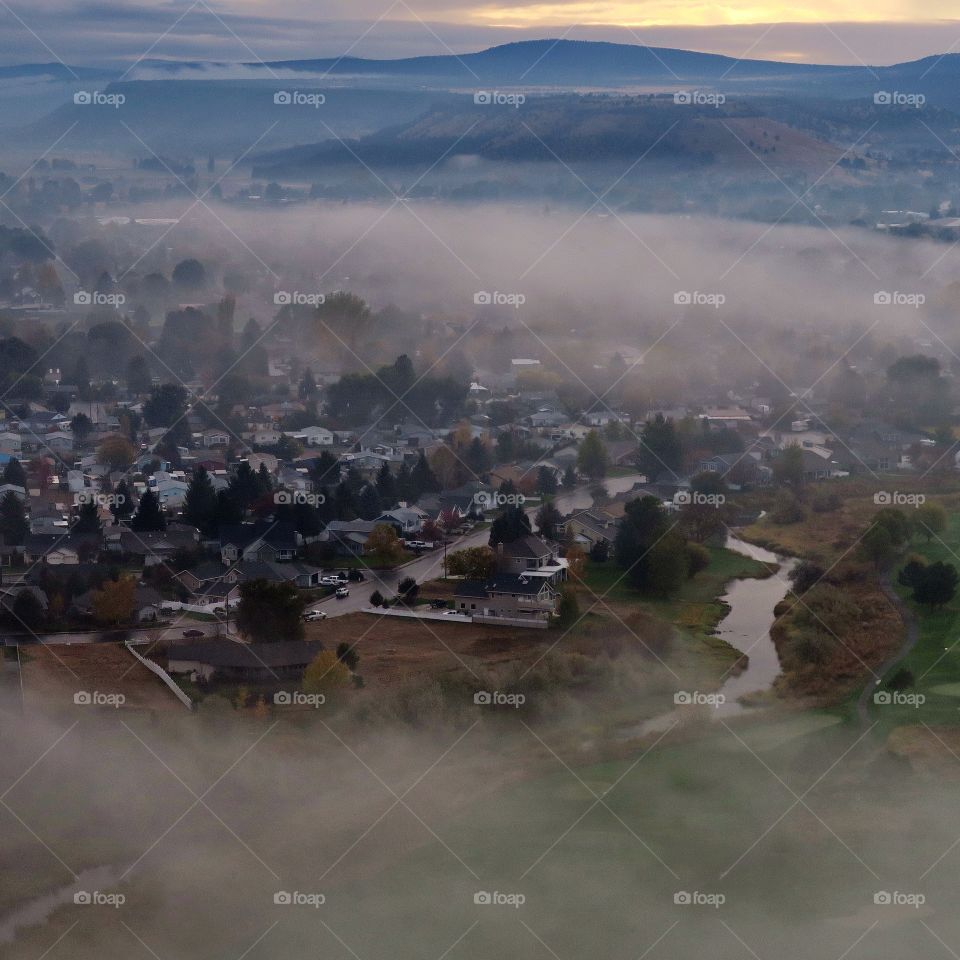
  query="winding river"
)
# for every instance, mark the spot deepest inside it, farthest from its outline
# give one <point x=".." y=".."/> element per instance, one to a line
<point x="746" y="627"/>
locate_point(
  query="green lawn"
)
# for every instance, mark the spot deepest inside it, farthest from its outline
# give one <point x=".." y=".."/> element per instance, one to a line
<point x="935" y="660"/>
<point x="697" y="606"/>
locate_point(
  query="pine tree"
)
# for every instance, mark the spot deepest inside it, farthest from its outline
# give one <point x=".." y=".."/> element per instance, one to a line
<point x="200" y="503"/>
<point x="422" y="477"/>
<point x="122" y="505"/>
<point x="149" y="515"/>
<point x="14" y="473"/>
<point x="88" y="519"/>
<point x="13" y="519"/>
<point x="386" y="486"/>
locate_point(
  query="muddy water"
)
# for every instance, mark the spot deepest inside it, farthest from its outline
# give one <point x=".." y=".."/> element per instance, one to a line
<point x="746" y="627"/>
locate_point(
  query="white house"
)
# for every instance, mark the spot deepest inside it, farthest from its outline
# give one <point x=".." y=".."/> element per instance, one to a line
<point x="315" y="436"/>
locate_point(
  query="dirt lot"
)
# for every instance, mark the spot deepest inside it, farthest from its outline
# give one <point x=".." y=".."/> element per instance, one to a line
<point x="392" y="649"/>
<point x="53" y="674"/>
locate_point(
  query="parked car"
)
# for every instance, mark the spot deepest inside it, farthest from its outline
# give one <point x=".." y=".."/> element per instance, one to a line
<point x="451" y="613"/>
<point x="193" y="634"/>
<point x="330" y="581"/>
<point x="312" y="616"/>
<point x="342" y="592"/>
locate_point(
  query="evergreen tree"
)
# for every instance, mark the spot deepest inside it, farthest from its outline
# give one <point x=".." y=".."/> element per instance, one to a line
<point x="592" y="456"/>
<point x="404" y="484"/>
<point x="386" y="486"/>
<point x="369" y="503"/>
<point x="422" y="477"/>
<point x="308" y="385"/>
<point x="244" y="486"/>
<point x="660" y="447"/>
<point x="88" y="519"/>
<point x="569" y="478"/>
<point x="477" y="457"/>
<point x="326" y="469"/>
<point x="512" y="524"/>
<point x="14" y="473"/>
<point x="122" y="506"/>
<point x="13" y="519"/>
<point x="200" y="504"/>
<point x="149" y="515"/>
<point x="549" y="522"/>
<point x="546" y="481"/>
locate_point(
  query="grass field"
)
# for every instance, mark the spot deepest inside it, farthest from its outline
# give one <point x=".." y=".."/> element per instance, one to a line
<point x="935" y="660"/>
<point x="696" y="607"/>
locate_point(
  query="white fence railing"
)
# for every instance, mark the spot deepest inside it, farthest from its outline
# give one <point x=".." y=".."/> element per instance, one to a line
<point x="162" y="674"/>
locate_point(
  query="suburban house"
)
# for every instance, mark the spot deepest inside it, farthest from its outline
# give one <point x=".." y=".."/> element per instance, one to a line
<point x="350" y="536"/>
<point x="273" y="542"/>
<point x="248" y="662"/>
<point x="170" y="488"/>
<point x="315" y="436"/>
<point x="521" y="601"/>
<point x="213" y="582"/>
<point x="216" y="438"/>
<point x="532" y="557"/>
<point x="54" y="548"/>
<point x="587" y="528"/>
<point x="149" y="547"/>
<point x="147" y="605"/>
<point x="404" y="519"/>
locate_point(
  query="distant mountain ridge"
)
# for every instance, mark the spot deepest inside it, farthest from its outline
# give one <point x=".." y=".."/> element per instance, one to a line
<point x="535" y="61"/>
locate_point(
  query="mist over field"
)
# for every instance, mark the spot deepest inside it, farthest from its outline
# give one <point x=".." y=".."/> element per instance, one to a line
<point x="782" y="845"/>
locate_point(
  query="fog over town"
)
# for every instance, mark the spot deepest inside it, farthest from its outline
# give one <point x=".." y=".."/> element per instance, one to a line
<point x="476" y="483"/>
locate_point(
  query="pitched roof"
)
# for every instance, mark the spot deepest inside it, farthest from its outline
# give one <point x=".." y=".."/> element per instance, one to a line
<point x="527" y="546"/>
<point x="280" y="534"/>
<point x="230" y="653"/>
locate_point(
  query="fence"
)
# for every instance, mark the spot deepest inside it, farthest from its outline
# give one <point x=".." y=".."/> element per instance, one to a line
<point x="163" y="675"/>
